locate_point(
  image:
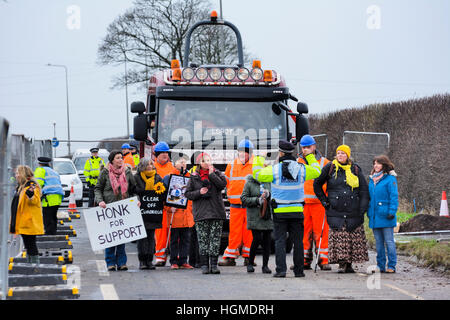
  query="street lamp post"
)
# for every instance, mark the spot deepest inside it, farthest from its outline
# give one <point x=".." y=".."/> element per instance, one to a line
<point x="67" y="101"/>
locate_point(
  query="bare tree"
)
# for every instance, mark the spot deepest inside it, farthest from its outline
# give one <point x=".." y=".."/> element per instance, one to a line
<point x="152" y="33"/>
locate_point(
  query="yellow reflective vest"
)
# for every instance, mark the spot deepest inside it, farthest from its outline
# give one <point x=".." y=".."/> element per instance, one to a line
<point x="92" y="169"/>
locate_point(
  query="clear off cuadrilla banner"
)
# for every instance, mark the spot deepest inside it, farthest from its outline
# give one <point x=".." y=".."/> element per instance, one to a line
<point x="120" y="222"/>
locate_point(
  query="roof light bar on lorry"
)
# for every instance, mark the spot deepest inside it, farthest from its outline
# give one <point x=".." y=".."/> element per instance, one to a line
<point x="243" y="74"/>
<point x="229" y="74"/>
<point x="215" y="73"/>
<point x="188" y="74"/>
<point x="201" y="74"/>
<point x="256" y="74"/>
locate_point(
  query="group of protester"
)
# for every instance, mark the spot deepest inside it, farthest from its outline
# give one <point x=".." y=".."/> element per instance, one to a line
<point x="306" y="199"/>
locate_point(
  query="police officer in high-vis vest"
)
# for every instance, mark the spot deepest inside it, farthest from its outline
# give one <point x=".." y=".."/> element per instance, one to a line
<point x="52" y="193"/>
<point x="91" y="171"/>
<point x="287" y="198"/>
<point x="135" y="154"/>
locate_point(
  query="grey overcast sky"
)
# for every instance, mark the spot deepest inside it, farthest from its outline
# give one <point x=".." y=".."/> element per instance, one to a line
<point x="334" y="54"/>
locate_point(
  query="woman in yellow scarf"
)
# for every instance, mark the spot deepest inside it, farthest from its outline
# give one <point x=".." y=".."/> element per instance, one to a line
<point x="346" y="203"/>
<point x="151" y="192"/>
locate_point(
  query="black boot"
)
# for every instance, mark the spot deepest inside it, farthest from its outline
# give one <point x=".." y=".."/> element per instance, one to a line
<point x="142" y="261"/>
<point x="204" y="261"/>
<point x="213" y="264"/>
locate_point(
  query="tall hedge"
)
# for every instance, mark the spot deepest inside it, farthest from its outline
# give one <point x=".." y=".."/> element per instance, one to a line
<point x="419" y="142"/>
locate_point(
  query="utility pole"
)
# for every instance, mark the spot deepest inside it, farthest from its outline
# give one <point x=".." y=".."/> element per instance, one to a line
<point x="67" y="102"/>
<point x="54" y="135"/>
<point x="126" y="96"/>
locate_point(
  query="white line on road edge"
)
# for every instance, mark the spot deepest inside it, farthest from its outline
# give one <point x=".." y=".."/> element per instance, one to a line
<point x="108" y="292"/>
<point x="101" y="268"/>
<point x="412" y="295"/>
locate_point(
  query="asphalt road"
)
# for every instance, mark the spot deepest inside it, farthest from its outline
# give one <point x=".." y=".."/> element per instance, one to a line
<point x="89" y="273"/>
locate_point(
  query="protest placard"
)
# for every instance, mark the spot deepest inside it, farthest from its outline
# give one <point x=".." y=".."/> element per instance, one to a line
<point x="175" y="194"/>
<point x="120" y="222"/>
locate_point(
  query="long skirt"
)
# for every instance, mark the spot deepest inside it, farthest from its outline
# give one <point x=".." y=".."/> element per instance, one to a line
<point x="348" y="246"/>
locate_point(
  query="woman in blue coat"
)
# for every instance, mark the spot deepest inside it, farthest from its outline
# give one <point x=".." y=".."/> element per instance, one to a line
<point x="382" y="211"/>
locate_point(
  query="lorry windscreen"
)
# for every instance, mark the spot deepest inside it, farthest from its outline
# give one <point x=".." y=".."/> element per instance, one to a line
<point x="225" y="122"/>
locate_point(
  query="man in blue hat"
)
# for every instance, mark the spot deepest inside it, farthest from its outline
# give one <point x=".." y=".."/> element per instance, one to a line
<point x="127" y="156"/>
<point x="236" y="173"/>
<point x="315" y="224"/>
<point x="52" y="193"/>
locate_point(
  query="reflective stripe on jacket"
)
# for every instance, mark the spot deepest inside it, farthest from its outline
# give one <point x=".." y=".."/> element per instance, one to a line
<point x="236" y="174"/>
<point x="287" y="193"/>
<point x="50" y="183"/>
<point x="310" y="196"/>
<point x="92" y="169"/>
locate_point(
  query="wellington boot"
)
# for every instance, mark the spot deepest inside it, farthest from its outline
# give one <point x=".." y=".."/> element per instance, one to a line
<point x="213" y="265"/>
<point x="204" y="262"/>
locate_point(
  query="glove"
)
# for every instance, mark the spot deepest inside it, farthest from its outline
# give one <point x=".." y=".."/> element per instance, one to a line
<point x="326" y="205"/>
<point x="390" y="216"/>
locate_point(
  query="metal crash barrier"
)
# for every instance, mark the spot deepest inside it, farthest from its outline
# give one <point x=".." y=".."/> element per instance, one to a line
<point x="4" y="207"/>
<point x="19" y="279"/>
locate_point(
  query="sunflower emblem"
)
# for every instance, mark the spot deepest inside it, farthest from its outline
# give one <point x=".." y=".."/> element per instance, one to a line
<point x="159" y="188"/>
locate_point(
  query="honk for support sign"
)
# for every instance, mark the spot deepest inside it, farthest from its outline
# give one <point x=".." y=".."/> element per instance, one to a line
<point x="120" y="222"/>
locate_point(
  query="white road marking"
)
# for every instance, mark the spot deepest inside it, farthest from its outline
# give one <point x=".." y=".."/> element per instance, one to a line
<point x="101" y="268"/>
<point x="412" y="295"/>
<point x="108" y="292"/>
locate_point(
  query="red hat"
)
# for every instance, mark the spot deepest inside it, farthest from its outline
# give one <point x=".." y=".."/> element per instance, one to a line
<point x="200" y="157"/>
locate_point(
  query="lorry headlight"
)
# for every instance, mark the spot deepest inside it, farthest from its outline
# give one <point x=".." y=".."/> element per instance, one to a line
<point x="188" y="74"/>
<point x="215" y="74"/>
<point x="202" y="74"/>
<point x="256" y="74"/>
<point x="243" y="74"/>
<point x="229" y="74"/>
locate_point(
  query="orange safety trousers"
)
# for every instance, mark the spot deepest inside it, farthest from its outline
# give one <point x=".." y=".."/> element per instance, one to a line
<point x="314" y="214"/>
<point x="239" y="234"/>
<point x="161" y="235"/>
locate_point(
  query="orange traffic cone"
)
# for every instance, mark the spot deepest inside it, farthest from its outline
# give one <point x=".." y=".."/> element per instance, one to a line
<point x="444" y="205"/>
<point x="72" y="204"/>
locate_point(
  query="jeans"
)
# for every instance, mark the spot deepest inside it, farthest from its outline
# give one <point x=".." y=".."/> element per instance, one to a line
<point x="295" y="229"/>
<point x="116" y="256"/>
<point x="384" y="238"/>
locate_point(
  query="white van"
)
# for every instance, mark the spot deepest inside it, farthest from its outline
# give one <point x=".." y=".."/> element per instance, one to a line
<point x="69" y="177"/>
<point x="79" y="159"/>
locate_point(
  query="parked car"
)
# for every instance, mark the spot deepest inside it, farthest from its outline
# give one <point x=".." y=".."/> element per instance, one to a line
<point x="79" y="158"/>
<point x="69" y="176"/>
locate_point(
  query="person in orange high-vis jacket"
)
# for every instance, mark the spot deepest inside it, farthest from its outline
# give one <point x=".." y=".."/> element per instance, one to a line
<point x="163" y="167"/>
<point x="128" y="159"/>
<point x="182" y="223"/>
<point x="236" y="173"/>
<point x="314" y="212"/>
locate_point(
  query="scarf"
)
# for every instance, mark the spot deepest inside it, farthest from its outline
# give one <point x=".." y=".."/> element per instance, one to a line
<point x="377" y="176"/>
<point x="149" y="179"/>
<point x="351" y="179"/>
<point x="204" y="174"/>
<point x="118" y="179"/>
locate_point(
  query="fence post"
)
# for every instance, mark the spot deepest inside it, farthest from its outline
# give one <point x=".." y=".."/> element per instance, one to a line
<point x="4" y="206"/>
